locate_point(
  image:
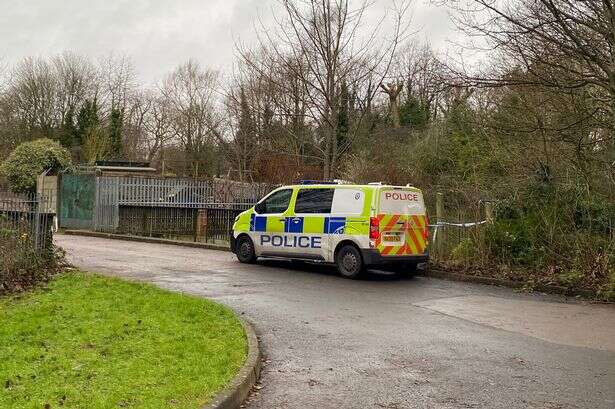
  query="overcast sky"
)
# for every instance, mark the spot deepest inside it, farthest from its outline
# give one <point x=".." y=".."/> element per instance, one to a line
<point x="160" y="34"/>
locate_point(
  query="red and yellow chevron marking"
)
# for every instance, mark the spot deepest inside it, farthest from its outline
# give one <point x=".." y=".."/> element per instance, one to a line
<point x="415" y="230"/>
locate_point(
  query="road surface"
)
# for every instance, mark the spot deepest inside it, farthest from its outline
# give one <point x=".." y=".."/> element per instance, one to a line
<point x="385" y="342"/>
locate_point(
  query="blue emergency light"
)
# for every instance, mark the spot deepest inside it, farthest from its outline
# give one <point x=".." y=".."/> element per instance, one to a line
<point x="317" y="182"/>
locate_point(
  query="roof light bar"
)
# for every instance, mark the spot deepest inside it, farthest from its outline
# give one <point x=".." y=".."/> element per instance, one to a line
<point x="317" y="182"/>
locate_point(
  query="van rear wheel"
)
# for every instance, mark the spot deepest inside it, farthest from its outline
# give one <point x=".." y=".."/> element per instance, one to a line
<point x="245" y="250"/>
<point x="349" y="262"/>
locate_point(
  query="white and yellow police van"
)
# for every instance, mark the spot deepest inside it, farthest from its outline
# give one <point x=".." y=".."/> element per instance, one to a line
<point x="352" y="226"/>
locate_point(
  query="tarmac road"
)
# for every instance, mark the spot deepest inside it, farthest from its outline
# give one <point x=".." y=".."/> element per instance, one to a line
<point x="383" y="342"/>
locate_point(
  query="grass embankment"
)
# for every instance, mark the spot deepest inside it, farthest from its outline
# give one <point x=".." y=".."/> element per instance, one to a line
<point x="92" y="342"/>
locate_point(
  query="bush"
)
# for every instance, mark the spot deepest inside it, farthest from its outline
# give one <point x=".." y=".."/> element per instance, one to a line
<point x="556" y="235"/>
<point x="22" y="267"/>
<point x="465" y="251"/>
<point x="510" y="241"/>
<point x="29" y="160"/>
<point x="608" y="292"/>
<point x="595" y="215"/>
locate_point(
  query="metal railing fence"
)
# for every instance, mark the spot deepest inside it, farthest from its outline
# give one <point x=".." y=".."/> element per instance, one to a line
<point x="157" y="206"/>
<point x="25" y="217"/>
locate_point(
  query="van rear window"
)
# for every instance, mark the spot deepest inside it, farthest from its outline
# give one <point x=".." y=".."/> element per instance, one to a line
<point x="401" y="202"/>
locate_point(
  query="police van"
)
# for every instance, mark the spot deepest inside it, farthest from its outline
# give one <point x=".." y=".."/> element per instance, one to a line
<point x="351" y="226"/>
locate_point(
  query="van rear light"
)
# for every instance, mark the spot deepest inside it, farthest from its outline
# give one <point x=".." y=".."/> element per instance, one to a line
<point x="374" y="228"/>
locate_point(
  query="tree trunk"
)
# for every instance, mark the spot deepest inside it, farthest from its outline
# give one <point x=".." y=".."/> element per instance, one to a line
<point x="393" y="91"/>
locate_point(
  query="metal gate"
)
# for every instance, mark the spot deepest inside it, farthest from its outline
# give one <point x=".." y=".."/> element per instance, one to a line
<point x="77" y="196"/>
<point x="106" y="210"/>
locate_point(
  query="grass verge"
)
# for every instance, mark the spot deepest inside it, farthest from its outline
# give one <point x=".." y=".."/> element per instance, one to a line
<point x="86" y="341"/>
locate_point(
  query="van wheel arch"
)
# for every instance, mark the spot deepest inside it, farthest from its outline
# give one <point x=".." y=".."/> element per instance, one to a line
<point x="345" y="249"/>
<point x="346" y="243"/>
<point x="242" y="235"/>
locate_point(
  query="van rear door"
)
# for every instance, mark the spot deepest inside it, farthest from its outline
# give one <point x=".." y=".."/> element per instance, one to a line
<point x="402" y="222"/>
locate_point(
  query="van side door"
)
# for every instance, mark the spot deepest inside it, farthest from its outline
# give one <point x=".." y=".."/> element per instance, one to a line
<point x="349" y="218"/>
<point x="309" y="224"/>
<point x="268" y="221"/>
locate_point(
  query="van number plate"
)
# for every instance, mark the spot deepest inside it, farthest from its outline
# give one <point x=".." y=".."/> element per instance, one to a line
<point x="392" y="237"/>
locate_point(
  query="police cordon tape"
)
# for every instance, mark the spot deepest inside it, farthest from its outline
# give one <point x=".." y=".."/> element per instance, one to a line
<point x="444" y="224"/>
<point x="472" y="224"/>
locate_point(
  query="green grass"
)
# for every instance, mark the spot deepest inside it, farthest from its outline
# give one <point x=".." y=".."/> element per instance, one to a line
<point x="87" y="341"/>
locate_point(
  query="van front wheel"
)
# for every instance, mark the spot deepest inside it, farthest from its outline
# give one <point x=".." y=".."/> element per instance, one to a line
<point x="349" y="262"/>
<point x="245" y="250"/>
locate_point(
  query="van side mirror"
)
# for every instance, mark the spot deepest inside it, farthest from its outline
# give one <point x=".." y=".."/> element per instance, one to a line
<point x="260" y="208"/>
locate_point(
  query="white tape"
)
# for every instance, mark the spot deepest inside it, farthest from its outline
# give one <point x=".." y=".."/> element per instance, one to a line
<point x="443" y="224"/>
<point x="472" y="224"/>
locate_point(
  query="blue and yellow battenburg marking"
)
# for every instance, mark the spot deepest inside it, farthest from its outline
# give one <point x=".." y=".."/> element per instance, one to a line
<point x="308" y="224"/>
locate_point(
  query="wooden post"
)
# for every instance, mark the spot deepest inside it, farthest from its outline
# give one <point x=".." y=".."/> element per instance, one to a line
<point x="439" y="207"/>
<point x="489" y="212"/>
<point x="440" y="229"/>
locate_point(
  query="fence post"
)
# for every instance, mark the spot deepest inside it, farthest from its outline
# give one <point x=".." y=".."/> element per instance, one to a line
<point x="196" y="225"/>
<point x="489" y="212"/>
<point x="37" y="222"/>
<point x="205" y="223"/>
<point x="440" y="236"/>
<point x="200" y="229"/>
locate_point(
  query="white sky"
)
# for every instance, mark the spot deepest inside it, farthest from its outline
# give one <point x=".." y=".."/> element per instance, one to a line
<point x="160" y="34"/>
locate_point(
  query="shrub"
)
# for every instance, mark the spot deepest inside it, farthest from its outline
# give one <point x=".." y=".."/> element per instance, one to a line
<point x="595" y="215"/>
<point x="510" y="241"/>
<point x="21" y="267"/>
<point x="465" y="251"/>
<point x="30" y="159"/>
<point x="608" y="291"/>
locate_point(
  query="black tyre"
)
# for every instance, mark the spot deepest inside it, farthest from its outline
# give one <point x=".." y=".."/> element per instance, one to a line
<point x="349" y="262"/>
<point x="245" y="250"/>
<point x="406" y="270"/>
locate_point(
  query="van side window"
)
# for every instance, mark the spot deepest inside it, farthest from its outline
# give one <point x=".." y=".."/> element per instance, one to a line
<point x="314" y="201"/>
<point x="276" y="203"/>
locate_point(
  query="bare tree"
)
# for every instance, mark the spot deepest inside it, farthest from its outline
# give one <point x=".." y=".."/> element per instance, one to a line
<point x="562" y="47"/>
<point x="76" y="82"/>
<point x="560" y="44"/>
<point x="152" y="116"/>
<point x="393" y="90"/>
<point x="190" y="94"/>
<point x="325" y="38"/>
<point x="268" y="111"/>
<point x="3" y="74"/>
<point x="117" y="81"/>
<point x="32" y="93"/>
<point x="424" y="75"/>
